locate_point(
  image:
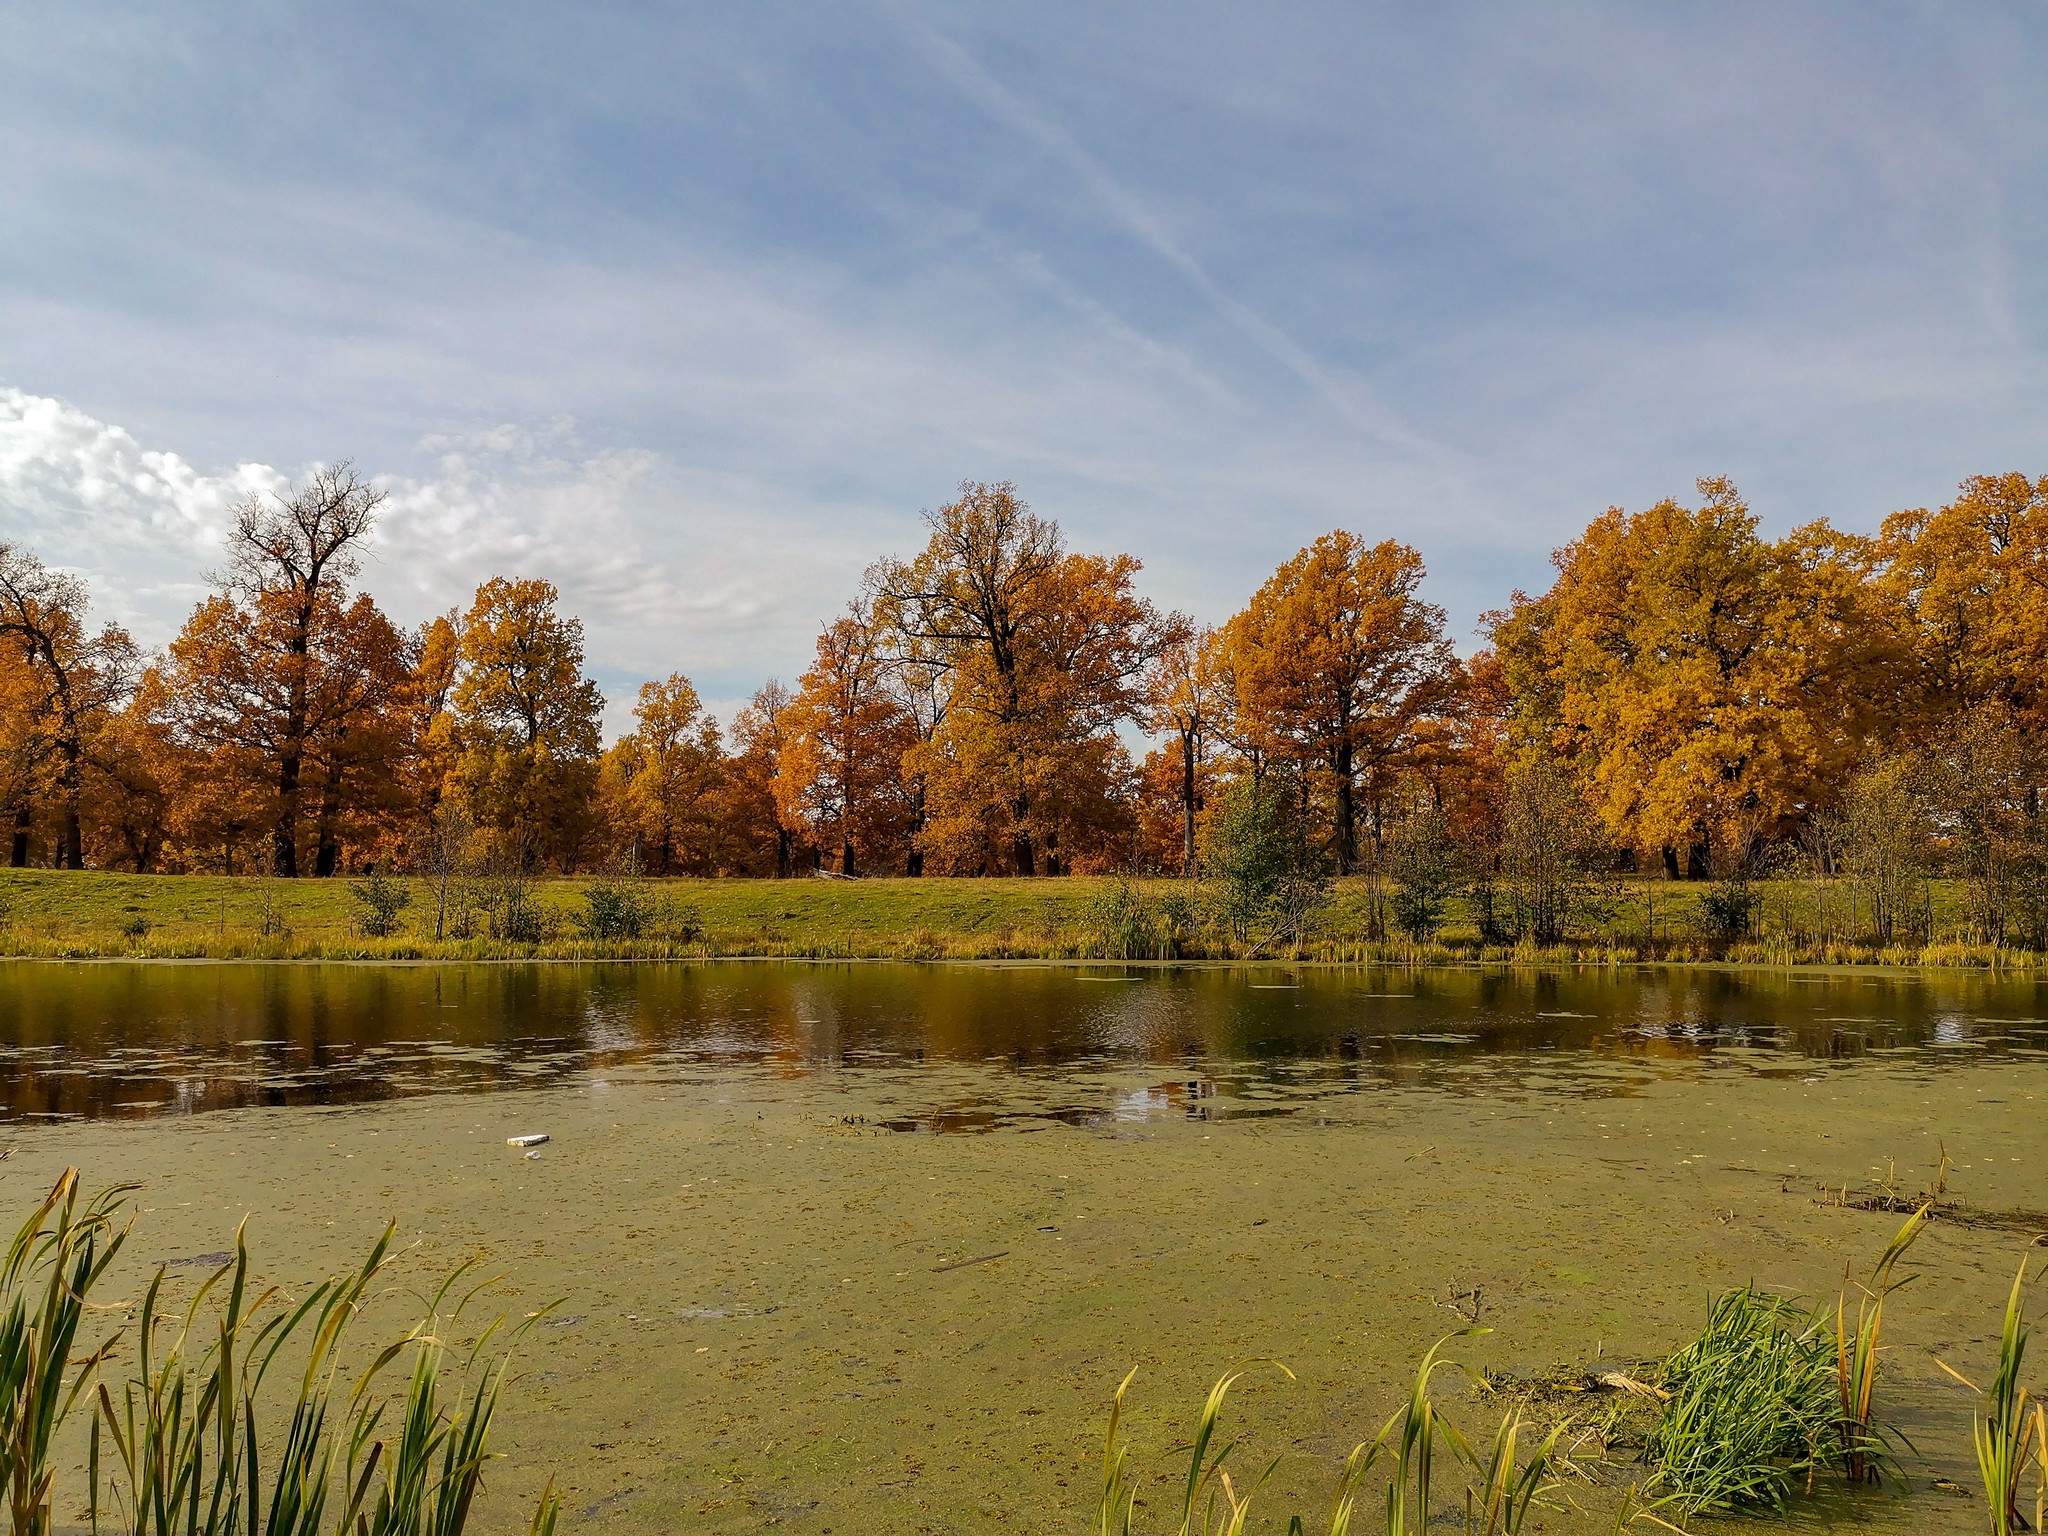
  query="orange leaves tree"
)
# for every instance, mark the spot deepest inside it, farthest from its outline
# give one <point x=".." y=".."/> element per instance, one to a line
<point x="841" y="775"/>
<point x="61" y="689"/>
<point x="1042" y="651"/>
<point x="528" y="722"/>
<point x="281" y="678"/>
<point x="1337" y="665"/>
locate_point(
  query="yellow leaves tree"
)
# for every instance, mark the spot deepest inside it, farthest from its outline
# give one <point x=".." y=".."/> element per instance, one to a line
<point x="661" y="780"/>
<point x="1337" y="663"/>
<point x="759" y="837"/>
<point x="1706" y="682"/>
<point x="1968" y="590"/>
<point x="1188" y="696"/>
<point x="528" y="721"/>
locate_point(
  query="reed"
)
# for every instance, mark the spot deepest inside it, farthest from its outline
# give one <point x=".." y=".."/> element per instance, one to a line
<point x="57" y="1255"/>
<point x="1860" y="1436"/>
<point x="1211" y="1503"/>
<point x="238" y="1416"/>
<point x="2011" y="1433"/>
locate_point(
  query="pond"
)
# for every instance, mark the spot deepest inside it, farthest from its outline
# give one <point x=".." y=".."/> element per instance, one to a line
<point x="847" y="1247"/>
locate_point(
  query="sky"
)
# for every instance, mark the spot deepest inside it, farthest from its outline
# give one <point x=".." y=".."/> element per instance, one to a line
<point x="693" y="308"/>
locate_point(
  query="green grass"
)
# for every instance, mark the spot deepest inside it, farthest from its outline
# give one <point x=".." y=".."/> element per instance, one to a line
<point x="47" y="913"/>
<point x="1754" y="1406"/>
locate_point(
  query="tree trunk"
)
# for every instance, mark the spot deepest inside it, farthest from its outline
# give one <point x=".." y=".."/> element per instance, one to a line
<point x="846" y="856"/>
<point x="1187" y="805"/>
<point x="327" y="854"/>
<point x="1670" y="862"/>
<point x="284" y="837"/>
<point x="1022" y="859"/>
<point x="1347" y="813"/>
<point x="70" y="840"/>
<point x="1696" y="867"/>
<point x="782" y="870"/>
<point x="17" y="857"/>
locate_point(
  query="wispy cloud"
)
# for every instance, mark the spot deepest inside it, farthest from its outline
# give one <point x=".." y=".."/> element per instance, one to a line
<point x="1354" y="401"/>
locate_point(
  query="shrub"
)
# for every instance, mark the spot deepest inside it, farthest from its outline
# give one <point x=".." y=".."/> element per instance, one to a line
<point x="1269" y="880"/>
<point x="379" y="900"/>
<point x="616" y="906"/>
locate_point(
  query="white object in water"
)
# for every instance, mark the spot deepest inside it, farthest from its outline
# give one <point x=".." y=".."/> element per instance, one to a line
<point x="525" y="1141"/>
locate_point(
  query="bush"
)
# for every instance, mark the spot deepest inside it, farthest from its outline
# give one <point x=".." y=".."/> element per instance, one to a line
<point x="616" y="906"/>
<point x="1269" y="881"/>
<point x="379" y="900"/>
<point x="1754" y="1405"/>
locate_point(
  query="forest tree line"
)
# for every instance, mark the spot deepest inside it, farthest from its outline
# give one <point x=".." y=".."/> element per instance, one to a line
<point x="1702" y="694"/>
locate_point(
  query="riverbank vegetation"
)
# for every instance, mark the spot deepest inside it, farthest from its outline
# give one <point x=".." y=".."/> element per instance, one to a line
<point x="242" y="1409"/>
<point x="1768" y="1403"/>
<point x="1688" y="699"/>
<point x="60" y="915"/>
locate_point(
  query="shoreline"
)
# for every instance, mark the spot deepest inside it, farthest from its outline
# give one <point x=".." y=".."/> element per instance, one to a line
<point x="1800" y="926"/>
<point x="2029" y="972"/>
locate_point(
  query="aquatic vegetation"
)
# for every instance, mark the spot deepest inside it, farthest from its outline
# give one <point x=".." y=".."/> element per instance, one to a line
<point x="2012" y="1432"/>
<point x="1212" y="1504"/>
<point x="1856" y="1355"/>
<point x="51" y="1267"/>
<point x="239" y="1414"/>
<point x="1755" y="1405"/>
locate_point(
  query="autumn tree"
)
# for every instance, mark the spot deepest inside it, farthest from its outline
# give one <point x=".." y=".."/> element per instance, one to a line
<point x="528" y="720"/>
<point x="841" y="773"/>
<point x="661" y="779"/>
<point x="1707" y="679"/>
<point x="762" y="837"/>
<point x="1337" y="663"/>
<point x="1043" y="650"/>
<point x="289" y="557"/>
<point x="74" y="679"/>
<point x="24" y="750"/>
<point x="1186" y="699"/>
<point x="1966" y="591"/>
<point x="431" y="737"/>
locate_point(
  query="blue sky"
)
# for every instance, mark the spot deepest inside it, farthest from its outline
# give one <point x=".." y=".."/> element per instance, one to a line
<point x="691" y="308"/>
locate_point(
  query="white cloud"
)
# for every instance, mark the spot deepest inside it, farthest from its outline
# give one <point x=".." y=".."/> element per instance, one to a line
<point x="661" y="573"/>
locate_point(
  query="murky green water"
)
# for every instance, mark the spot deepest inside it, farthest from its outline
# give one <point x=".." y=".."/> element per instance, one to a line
<point x="790" y="1299"/>
<point x="106" y="1039"/>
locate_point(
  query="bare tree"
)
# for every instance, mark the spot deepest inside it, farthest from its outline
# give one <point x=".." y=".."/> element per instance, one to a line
<point x="285" y="554"/>
<point x="1550" y="845"/>
<point x="82" y="678"/>
<point x="1884" y="841"/>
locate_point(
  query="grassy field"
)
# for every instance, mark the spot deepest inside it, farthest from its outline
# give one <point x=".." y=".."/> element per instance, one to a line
<point x="45" y="913"/>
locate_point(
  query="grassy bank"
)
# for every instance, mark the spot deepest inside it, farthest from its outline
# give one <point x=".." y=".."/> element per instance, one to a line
<point x="51" y="914"/>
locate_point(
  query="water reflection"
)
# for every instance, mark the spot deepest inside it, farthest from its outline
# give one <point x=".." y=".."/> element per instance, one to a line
<point x="124" y="1040"/>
